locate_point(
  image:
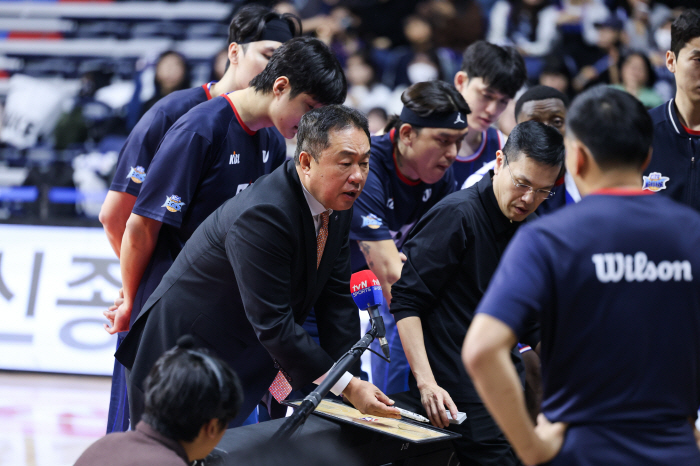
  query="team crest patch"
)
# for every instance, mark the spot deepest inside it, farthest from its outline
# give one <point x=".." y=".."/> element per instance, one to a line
<point x="655" y="182"/>
<point x="137" y="174"/>
<point x="371" y="221"/>
<point x="173" y="203"/>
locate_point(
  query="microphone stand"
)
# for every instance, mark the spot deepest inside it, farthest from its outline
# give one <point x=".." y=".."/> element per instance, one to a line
<point x="312" y="400"/>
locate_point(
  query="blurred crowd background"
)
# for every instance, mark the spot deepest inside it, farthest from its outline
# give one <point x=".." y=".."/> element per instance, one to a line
<point x="76" y="76"/>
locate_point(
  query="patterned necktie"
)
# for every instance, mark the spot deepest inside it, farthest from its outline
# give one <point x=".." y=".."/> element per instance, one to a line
<point x="321" y="238"/>
<point x="280" y="387"/>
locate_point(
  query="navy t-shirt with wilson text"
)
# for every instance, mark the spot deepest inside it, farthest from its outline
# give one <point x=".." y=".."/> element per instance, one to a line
<point x="616" y="286"/>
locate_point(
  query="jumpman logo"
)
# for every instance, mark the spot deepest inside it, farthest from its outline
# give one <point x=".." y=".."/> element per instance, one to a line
<point x="459" y="119"/>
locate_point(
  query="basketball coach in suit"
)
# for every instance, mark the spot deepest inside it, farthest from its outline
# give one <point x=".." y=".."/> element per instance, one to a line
<point x="250" y="274"/>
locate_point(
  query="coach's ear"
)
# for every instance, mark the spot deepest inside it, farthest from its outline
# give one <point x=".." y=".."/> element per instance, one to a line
<point x="305" y="161"/>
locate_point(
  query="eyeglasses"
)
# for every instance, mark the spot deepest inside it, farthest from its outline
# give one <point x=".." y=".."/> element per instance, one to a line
<point x="543" y="194"/>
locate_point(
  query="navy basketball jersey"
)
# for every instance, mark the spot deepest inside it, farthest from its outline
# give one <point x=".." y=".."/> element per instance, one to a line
<point x="390" y="204"/>
<point x="464" y="166"/>
<point x="207" y="157"/>
<point x="142" y="143"/>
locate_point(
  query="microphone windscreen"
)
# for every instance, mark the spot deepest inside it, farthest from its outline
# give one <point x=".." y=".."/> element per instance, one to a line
<point x="365" y="289"/>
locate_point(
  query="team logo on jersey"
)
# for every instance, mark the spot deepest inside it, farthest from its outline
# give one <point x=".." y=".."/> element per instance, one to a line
<point x="266" y="155"/>
<point x="137" y="174"/>
<point x="235" y="159"/>
<point x="371" y="221"/>
<point x="458" y="119"/>
<point x="611" y="267"/>
<point x="655" y="182"/>
<point x="241" y="187"/>
<point x="173" y="203"/>
<point x="427" y="193"/>
<point x="390" y="203"/>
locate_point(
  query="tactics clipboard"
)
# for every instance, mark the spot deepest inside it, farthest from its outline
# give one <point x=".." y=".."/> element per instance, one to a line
<point x="404" y="429"/>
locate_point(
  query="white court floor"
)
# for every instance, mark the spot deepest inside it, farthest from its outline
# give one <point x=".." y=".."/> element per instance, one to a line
<point x="49" y="420"/>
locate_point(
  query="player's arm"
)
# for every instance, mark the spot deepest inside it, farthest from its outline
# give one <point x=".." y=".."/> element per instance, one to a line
<point x="137" y="247"/>
<point x="385" y="261"/>
<point x="114" y="214"/>
<point x="433" y="397"/>
<point x="486" y="355"/>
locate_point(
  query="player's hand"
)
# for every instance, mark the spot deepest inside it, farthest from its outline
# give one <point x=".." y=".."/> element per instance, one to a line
<point x="118" y="301"/>
<point x="368" y="399"/>
<point x="551" y="436"/>
<point x="435" y="399"/>
<point x="403" y="257"/>
<point x="118" y="317"/>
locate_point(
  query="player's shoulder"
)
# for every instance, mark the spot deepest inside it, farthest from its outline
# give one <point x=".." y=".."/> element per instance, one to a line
<point x="495" y="136"/>
<point x="660" y="114"/>
<point x="179" y="102"/>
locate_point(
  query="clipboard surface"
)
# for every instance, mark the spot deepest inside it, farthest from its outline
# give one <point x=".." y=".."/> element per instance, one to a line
<point x="404" y="429"/>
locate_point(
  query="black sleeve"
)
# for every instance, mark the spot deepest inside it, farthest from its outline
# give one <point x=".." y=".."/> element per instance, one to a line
<point x="259" y="248"/>
<point x="337" y="316"/>
<point x="434" y="251"/>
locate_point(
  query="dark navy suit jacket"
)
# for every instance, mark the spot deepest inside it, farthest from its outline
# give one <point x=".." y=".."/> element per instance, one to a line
<point x="242" y="286"/>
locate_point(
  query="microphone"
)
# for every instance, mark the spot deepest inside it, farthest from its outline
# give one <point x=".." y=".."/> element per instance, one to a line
<point x="367" y="293"/>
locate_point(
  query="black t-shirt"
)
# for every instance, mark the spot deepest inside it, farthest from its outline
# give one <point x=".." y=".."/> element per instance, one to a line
<point x="453" y="252"/>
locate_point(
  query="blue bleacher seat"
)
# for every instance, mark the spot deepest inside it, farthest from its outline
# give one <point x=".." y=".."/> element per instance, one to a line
<point x="19" y="194"/>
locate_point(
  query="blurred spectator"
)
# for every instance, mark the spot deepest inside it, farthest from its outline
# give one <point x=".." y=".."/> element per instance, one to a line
<point x="419" y="61"/>
<point x="171" y="73"/>
<point x="456" y="23"/>
<point x="219" y="65"/>
<point x="577" y="31"/>
<point x="555" y="73"/>
<point x="529" y="25"/>
<point x="364" y="89"/>
<point x="377" y="118"/>
<point x="642" y="16"/>
<point x="605" y="70"/>
<point x="638" y="79"/>
<point x="190" y="398"/>
<point x="665" y="84"/>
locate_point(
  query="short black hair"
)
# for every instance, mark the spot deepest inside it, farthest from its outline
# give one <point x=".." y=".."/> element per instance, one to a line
<point x="613" y="125"/>
<point x="537" y="141"/>
<point x="428" y="98"/>
<point x="540" y="92"/>
<point x="316" y="124"/>
<point x="311" y="68"/>
<point x="501" y="68"/>
<point x="684" y="29"/>
<point x="186" y="389"/>
<point x="250" y="20"/>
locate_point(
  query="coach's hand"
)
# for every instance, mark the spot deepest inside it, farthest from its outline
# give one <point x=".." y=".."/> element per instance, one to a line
<point x="435" y="399"/>
<point x="368" y="399"/>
